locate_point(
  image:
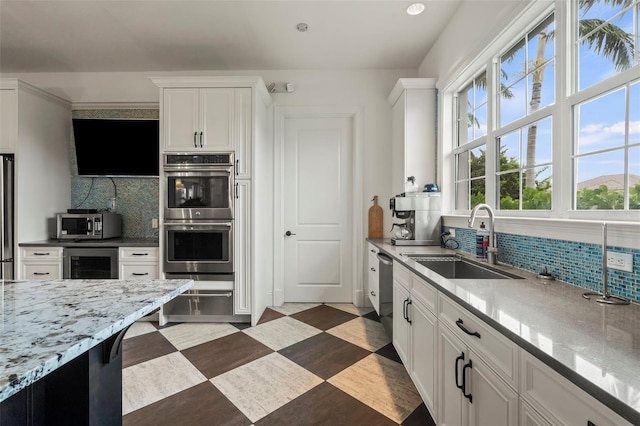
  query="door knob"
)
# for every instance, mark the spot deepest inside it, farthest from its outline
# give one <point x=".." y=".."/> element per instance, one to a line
<point x="289" y="233"/>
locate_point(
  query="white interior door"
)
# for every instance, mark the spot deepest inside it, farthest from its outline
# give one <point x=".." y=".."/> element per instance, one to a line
<point x="317" y="209"/>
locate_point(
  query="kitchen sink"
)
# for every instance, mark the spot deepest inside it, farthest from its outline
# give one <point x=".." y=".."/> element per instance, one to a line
<point x="457" y="267"/>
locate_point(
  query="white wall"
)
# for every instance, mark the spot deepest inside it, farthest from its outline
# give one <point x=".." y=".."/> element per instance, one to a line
<point x="367" y="89"/>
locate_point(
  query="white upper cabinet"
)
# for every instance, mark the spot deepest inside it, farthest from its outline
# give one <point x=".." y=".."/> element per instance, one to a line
<point x="413" y="132"/>
<point x="198" y="119"/>
<point x="8" y="120"/>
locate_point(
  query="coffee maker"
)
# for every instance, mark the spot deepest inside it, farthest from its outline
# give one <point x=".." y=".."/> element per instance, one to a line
<point x="420" y="214"/>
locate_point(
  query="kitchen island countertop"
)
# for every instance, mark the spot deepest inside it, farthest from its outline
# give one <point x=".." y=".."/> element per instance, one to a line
<point x="45" y="324"/>
<point x="593" y="345"/>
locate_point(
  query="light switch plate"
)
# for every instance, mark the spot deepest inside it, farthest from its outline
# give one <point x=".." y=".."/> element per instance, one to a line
<point x="620" y="261"/>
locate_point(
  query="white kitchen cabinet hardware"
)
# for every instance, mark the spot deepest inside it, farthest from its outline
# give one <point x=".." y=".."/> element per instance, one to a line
<point x="557" y="400"/>
<point x="413" y="130"/>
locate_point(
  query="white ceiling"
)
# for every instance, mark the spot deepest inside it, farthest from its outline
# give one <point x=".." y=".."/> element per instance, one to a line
<point x="139" y="35"/>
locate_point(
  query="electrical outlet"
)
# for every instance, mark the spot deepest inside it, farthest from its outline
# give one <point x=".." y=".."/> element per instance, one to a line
<point x="453" y="232"/>
<point x="620" y="261"/>
<point x="154" y="223"/>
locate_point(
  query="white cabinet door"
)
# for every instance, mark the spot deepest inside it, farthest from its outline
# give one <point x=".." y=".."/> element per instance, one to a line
<point x="374" y="284"/>
<point x="401" y="322"/>
<point x="9" y="115"/>
<point x="492" y="401"/>
<point x="242" y="249"/>
<point x="216" y="119"/>
<point x="423" y="338"/>
<point x="451" y="358"/>
<point x="243" y="137"/>
<point x="181" y="119"/>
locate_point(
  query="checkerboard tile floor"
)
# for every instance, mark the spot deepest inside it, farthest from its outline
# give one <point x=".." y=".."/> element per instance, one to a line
<point x="303" y="364"/>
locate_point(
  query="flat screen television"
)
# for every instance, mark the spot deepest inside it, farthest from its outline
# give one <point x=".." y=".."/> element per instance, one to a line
<point x="117" y="147"/>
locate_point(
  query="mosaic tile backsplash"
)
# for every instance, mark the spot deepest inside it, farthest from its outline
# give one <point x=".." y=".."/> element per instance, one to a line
<point x="576" y="263"/>
<point x="136" y="198"/>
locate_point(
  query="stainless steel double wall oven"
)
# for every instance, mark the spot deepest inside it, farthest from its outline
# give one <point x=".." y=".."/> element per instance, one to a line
<point x="198" y="214"/>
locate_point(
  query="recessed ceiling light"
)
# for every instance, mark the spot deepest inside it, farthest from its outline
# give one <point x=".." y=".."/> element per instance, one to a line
<point x="302" y="27"/>
<point x="415" y="9"/>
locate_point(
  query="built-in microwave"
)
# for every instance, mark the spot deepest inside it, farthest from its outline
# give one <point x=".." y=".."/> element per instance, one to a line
<point x="88" y="226"/>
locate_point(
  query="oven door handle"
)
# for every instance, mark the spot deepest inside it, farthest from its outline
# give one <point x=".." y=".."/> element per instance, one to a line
<point x="206" y="170"/>
<point x="198" y="225"/>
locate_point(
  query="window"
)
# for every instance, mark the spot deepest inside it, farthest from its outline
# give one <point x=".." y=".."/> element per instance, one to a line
<point x="527" y="86"/>
<point x="552" y="127"/>
<point x="607" y="123"/>
<point x="471" y="113"/>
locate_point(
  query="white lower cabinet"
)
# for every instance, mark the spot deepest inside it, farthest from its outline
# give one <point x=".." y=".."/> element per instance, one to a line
<point x="41" y="263"/>
<point x="470" y="392"/>
<point x="373" y="277"/>
<point x="558" y="400"/>
<point x="242" y="249"/>
<point x="138" y="263"/>
<point x="414" y="332"/>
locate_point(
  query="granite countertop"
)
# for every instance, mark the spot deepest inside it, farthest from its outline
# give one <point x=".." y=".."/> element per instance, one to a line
<point x="109" y="242"/>
<point x="596" y="346"/>
<point x="44" y="324"/>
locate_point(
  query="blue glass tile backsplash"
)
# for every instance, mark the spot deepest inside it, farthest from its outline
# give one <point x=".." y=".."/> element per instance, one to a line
<point x="137" y="198"/>
<point x="576" y="263"/>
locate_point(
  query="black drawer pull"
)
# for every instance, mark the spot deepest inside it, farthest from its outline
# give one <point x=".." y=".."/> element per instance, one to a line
<point x="408" y="319"/>
<point x="373" y="293"/>
<point x="41" y="254"/>
<point x="195" y="135"/>
<point x="460" y="325"/>
<point x="464" y="382"/>
<point x="40" y="273"/>
<point x="139" y="254"/>
<point x="373" y="269"/>
<point x="458" y="359"/>
<point x="138" y="273"/>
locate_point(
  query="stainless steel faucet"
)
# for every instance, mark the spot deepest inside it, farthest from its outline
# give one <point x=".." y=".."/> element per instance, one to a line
<point x="492" y="250"/>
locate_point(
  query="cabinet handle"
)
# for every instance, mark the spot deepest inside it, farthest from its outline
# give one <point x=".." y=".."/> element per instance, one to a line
<point x="237" y="167"/>
<point x="458" y="359"/>
<point x="201" y="145"/>
<point x="195" y="143"/>
<point x="40" y="273"/>
<point x="139" y="254"/>
<point x="373" y="293"/>
<point x="460" y="325"/>
<point x="464" y="382"/>
<point x="373" y="251"/>
<point x="41" y="254"/>
<point x="236" y="190"/>
<point x="139" y="274"/>
<point x="373" y="269"/>
<point x="404" y="309"/>
<point x="408" y="319"/>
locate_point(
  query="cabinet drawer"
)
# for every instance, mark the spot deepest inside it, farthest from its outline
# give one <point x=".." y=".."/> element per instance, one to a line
<point x="142" y="254"/>
<point x="138" y="271"/>
<point x="558" y="400"/>
<point x="372" y="250"/>
<point x="402" y="275"/>
<point x="41" y="253"/>
<point x="499" y="352"/>
<point x="41" y="271"/>
<point x="425" y="293"/>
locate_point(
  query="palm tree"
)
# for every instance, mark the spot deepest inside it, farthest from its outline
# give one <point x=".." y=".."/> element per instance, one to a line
<point x="605" y="38"/>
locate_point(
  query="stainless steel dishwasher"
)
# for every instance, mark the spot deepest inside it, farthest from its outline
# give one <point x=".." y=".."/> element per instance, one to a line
<point x="385" y="274"/>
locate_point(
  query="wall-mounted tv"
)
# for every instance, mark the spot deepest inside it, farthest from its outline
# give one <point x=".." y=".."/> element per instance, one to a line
<point x="117" y="147"/>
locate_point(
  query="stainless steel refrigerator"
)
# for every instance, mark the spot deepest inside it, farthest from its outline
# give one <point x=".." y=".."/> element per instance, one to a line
<point x="6" y="217"/>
